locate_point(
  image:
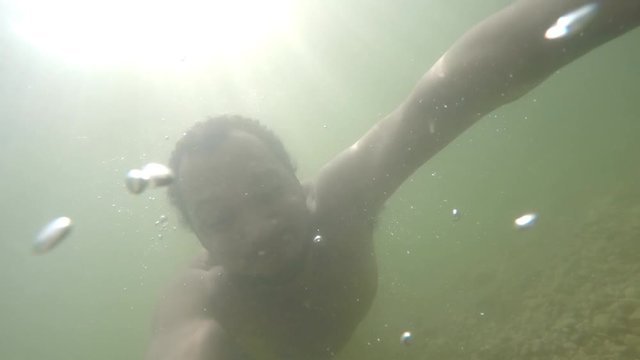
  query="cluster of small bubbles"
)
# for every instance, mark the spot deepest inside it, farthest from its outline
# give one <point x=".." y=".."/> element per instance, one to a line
<point x="52" y="235"/>
<point x="163" y="223"/>
<point x="572" y="23"/>
<point x="162" y="220"/>
<point x="405" y="338"/>
<point x="525" y="221"/>
<point x="154" y="174"/>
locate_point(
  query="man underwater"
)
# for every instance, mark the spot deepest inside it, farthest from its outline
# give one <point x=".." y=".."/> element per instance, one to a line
<point x="289" y="269"/>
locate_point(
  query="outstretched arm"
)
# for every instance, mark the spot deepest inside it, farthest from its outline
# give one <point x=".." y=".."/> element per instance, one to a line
<point x="492" y="64"/>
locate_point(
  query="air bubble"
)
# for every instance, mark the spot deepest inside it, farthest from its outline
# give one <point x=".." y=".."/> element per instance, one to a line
<point x="153" y="174"/>
<point x="136" y="181"/>
<point x="525" y="221"/>
<point x="405" y="338"/>
<point x="159" y="175"/>
<point x="52" y="234"/>
<point x="572" y="22"/>
<point x="455" y="213"/>
<point x="162" y="220"/>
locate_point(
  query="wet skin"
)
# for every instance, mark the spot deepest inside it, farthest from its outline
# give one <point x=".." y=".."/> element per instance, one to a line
<point x="263" y="289"/>
<point x="264" y="284"/>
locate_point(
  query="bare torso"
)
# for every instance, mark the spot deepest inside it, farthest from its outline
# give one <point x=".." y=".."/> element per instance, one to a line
<point x="310" y="316"/>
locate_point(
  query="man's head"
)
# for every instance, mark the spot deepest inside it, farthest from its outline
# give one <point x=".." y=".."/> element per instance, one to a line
<point x="236" y="188"/>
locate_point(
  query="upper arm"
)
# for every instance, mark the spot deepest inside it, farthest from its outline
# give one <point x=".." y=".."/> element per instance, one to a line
<point x="494" y="63"/>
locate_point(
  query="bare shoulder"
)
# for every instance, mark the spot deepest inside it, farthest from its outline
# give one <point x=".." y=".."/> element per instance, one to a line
<point x="356" y="183"/>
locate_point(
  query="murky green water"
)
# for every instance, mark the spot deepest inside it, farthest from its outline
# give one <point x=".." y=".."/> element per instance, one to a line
<point x="467" y="288"/>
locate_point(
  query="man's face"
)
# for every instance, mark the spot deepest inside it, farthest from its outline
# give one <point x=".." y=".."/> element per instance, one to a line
<point x="246" y="207"/>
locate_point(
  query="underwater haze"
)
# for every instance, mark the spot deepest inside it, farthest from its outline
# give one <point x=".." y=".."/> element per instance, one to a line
<point x="78" y="109"/>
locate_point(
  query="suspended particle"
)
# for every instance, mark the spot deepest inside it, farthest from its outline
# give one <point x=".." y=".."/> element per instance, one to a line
<point x="525" y="221"/>
<point x="52" y="234"/>
<point x="456" y="214"/>
<point x="405" y="338"/>
<point x="136" y="181"/>
<point x="572" y="23"/>
<point x="159" y="175"/>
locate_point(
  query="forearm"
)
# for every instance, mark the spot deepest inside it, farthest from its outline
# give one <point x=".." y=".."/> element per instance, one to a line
<point x="503" y="58"/>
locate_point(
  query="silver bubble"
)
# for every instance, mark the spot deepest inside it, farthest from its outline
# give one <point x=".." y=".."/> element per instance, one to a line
<point x="52" y="234"/>
<point x="159" y="175"/>
<point x="456" y="214"/>
<point x="317" y="239"/>
<point x="525" y="221"/>
<point x="136" y="181"/>
<point x="572" y="23"/>
<point x="406" y="337"/>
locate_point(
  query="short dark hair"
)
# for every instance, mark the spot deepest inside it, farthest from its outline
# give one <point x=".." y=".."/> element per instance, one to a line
<point x="207" y="135"/>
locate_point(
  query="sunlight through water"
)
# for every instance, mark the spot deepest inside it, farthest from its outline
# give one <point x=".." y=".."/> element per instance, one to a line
<point x="152" y="34"/>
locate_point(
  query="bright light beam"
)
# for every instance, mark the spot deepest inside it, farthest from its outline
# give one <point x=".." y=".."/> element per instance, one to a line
<point x="153" y="33"/>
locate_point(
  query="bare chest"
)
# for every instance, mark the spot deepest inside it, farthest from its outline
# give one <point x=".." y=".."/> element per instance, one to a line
<point x="315" y="315"/>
